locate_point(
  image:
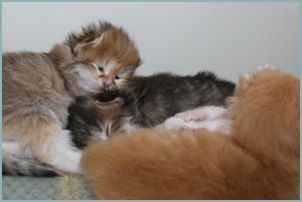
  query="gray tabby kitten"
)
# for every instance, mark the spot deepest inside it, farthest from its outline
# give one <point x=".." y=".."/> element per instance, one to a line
<point x="146" y="102"/>
<point x="38" y="88"/>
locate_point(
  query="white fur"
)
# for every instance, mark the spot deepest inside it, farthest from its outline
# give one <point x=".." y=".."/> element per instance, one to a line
<point x="203" y="113"/>
<point x="62" y="154"/>
<point x="122" y="77"/>
<point x="246" y="76"/>
<point x="12" y="148"/>
<point x="110" y="65"/>
<point x="85" y="80"/>
<point x="58" y="151"/>
<point x="212" y="118"/>
<point x="265" y="66"/>
<point x="127" y="126"/>
<point x="102" y="135"/>
<point x="222" y="125"/>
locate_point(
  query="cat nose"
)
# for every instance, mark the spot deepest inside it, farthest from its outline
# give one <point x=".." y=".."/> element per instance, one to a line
<point x="107" y="83"/>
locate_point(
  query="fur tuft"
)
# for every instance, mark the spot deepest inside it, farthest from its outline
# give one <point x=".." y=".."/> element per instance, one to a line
<point x="91" y="32"/>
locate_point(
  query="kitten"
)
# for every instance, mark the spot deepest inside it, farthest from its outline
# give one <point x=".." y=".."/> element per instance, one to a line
<point x="91" y="117"/>
<point x="39" y="87"/>
<point x="260" y="159"/>
<point x="147" y="102"/>
<point x="163" y="95"/>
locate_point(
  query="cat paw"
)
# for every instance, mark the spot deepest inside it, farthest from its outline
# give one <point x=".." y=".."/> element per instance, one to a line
<point x="203" y="114"/>
<point x="189" y="116"/>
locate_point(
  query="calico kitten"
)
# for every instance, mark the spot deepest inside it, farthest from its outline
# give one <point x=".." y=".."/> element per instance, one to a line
<point x="147" y="102"/>
<point x="91" y="117"/>
<point x="260" y="159"/>
<point x="39" y="87"/>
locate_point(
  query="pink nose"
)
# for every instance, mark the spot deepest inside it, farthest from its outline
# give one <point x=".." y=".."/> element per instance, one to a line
<point x="107" y="83"/>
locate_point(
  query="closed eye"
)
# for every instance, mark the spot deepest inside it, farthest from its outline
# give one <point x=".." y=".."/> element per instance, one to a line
<point x="101" y="69"/>
<point x="123" y="75"/>
<point x="107" y="131"/>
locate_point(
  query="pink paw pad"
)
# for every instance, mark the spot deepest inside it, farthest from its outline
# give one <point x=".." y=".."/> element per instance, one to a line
<point x="190" y="116"/>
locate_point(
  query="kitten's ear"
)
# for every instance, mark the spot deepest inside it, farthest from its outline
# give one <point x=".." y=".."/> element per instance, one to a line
<point x="242" y="85"/>
<point x="80" y="47"/>
<point x="117" y="102"/>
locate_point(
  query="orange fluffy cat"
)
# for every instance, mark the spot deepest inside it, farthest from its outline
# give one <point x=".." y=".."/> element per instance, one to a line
<point x="259" y="160"/>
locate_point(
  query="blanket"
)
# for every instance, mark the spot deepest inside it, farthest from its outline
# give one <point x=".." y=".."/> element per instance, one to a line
<point x="72" y="187"/>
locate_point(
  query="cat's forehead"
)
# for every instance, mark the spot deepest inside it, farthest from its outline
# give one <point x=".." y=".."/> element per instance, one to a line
<point x="102" y="38"/>
<point x="109" y="64"/>
<point x="109" y="53"/>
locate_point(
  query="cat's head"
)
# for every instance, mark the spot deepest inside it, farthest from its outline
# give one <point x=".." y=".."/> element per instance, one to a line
<point x="104" y="57"/>
<point x="114" y="109"/>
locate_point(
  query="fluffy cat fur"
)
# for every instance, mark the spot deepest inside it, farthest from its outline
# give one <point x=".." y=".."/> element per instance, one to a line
<point x="259" y="160"/>
<point x="39" y="87"/>
<point x="146" y="102"/>
<point x="92" y="118"/>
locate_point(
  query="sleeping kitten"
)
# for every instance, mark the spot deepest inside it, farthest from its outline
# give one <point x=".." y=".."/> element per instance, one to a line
<point x="39" y="87"/>
<point x="147" y="102"/>
<point x="260" y="159"/>
<point x="91" y="117"/>
<point x="161" y="96"/>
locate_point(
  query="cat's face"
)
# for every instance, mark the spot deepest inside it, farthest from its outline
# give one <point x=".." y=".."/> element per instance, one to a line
<point x="114" y="111"/>
<point x="106" y="57"/>
<point x="94" y="77"/>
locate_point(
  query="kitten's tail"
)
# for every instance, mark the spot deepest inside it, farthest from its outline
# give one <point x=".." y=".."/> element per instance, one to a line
<point x="13" y="165"/>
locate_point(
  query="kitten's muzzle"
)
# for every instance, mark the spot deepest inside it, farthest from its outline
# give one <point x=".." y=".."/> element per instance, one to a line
<point x="106" y="84"/>
<point x="106" y="81"/>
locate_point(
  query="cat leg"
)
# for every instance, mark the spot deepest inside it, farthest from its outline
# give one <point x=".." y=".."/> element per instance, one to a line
<point x="178" y="124"/>
<point x="46" y="140"/>
<point x="203" y="113"/>
<point x="220" y="125"/>
<point x="58" y="150"/>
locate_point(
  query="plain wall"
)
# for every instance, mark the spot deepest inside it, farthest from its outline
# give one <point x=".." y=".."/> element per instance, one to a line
<point x="227" y="38"/>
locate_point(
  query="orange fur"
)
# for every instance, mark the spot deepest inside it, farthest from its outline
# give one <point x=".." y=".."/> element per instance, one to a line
<point x="259" y="160"/>
<point x="112" y="42"/>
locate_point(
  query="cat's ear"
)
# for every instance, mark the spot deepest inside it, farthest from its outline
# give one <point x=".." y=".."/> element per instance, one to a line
<point x="117" y="102"/>
<point x="81" y="47"/>
<point x="242" y="85"/>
